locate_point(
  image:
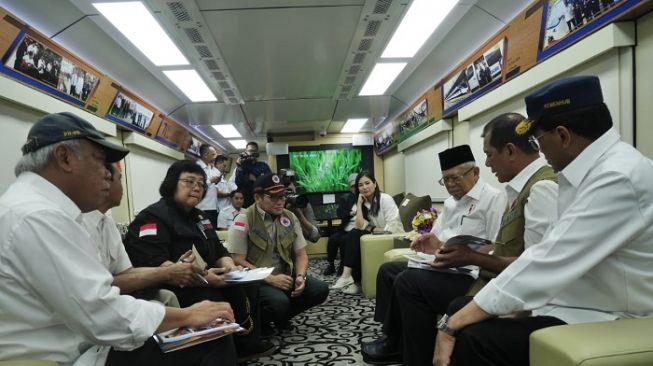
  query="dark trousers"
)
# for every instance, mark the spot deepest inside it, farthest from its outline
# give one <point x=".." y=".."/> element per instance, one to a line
<point x="336" y="243"/>
<point x="212" y="215"/>
<point x="279" y="307"/>
<point x="244" y="300"/>
<point x="353" y="252"/>
<point x="387" y="305"/>
<point x="496" y="341"/>
<point x="220" y="352"/>
<point x="423" y="295"/>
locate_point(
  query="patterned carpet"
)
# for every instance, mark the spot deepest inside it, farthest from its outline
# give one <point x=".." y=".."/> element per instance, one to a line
<point x="329" y="334"/>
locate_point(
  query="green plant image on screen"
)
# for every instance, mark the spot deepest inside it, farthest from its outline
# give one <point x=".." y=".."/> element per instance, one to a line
<point x="325" y="170"/>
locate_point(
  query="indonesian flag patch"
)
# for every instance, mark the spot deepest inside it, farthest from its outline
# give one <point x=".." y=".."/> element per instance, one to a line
<point x="239" y="225"/>
<point x="147" y="230"/>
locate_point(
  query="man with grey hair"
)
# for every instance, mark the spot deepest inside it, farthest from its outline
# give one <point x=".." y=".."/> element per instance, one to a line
<point x="57" y="300"/>
<point x="474" y="208"/>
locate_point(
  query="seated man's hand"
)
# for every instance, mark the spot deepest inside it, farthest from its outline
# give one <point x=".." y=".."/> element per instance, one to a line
<point x="426" y="243"/>
<point x="180" y="274"/>
<point x="203" y="313"/>
<point x="453" y="256"/>
<point x="300" y="285"/>
<point x="215" y="278"/>
<point x="280" y="281"/>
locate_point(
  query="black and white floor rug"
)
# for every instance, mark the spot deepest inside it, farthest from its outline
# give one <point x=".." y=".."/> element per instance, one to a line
<point x="329" y="334"/>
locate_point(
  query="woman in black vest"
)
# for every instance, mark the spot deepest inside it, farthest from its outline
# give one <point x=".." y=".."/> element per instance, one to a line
<point x="376" y="212"/>
<point x="171" y="230"/>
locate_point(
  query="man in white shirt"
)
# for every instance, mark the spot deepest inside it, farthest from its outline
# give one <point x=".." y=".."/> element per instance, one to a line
<point x="474" y="208"/>
<point x="59" y="305"/>
<point x="229" y="213"/>
<point x="209" y="204"/>
<point x="129" y="280"/>
<point x="532" y="191"/>
<point x="594" y="264"/>
<point x="224" y="186"/>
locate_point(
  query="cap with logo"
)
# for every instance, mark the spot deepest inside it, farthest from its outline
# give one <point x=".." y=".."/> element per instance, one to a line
<point x="560" y="96"/>
<point x="57" y="127"/>
<point x="455" y="156"/>
<point x="269" y="183"/>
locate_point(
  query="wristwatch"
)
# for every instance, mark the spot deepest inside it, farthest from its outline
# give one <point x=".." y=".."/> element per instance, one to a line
<point x="301" y="275"/>
<point x="444" y="327"/>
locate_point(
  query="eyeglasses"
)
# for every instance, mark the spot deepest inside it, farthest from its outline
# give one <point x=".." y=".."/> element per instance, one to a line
<point x="275" y="199"/>
<point x="535" y="140"/>
<point x="454" y="179"/>
<point x="190" y="183"/>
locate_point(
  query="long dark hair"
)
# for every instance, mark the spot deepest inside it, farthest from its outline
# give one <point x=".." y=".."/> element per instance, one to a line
<point x="169" y="185"/>
<point x="376" y="202"/>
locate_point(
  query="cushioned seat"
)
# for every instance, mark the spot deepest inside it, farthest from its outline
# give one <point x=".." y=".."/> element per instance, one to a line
<point x="621" y="342"/>
<point x="396" y="255"/>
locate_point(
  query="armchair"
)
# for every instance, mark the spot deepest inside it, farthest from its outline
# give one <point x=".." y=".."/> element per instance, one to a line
<point x="621" y="342"/>
<point x="373" y="247"/>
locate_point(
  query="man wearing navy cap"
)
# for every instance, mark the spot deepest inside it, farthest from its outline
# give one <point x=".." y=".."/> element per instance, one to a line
<point x="268" y="235"/>
<point x="594" y="264"/>
<point x="57" y="300"/>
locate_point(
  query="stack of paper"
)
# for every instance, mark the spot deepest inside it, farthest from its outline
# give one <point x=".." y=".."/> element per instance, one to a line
<point x="248" y="275"/>
<point x="423" y="261"/>
<point x="181" y="338"/>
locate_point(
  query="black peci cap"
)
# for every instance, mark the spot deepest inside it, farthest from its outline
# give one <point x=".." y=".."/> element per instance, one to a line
<point x="57" y="127"/>
<point x="455" y="156"/>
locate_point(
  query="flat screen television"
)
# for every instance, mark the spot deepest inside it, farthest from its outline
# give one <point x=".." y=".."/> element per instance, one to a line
<point x="326" y="170"/>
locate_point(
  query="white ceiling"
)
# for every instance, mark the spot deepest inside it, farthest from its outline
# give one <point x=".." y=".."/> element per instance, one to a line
<point x="286" y="64"/>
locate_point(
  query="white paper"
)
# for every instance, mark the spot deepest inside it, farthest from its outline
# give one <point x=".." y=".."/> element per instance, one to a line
<point x="328" y="198"/>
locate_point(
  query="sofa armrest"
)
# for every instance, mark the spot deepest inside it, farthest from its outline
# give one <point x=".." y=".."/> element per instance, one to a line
<point x="620" y="342"/>
<point x="372" y="249"/>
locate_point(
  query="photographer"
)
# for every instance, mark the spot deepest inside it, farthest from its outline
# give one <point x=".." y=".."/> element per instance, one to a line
<point x="249" y="168"/>
<point x="299" y="205"/>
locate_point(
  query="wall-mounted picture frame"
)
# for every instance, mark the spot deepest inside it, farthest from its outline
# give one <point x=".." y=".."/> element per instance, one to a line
<point x="127" y="112"/>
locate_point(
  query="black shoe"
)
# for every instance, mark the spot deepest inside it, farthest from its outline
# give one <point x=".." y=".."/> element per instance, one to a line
<point x="382" y="351"/>
<point x="264" y="348"/>
<point x="331" y="269"/>
<point x="266" y="329"/>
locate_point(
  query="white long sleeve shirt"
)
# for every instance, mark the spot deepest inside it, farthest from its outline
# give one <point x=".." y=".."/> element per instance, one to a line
<point x="57" y="299"/>
<point x="595" y="262"/>
<point x="210" y="200"/>
<point x="476" y="213"/>
<point x="388" y="216"/>
<point x="105" y="234"/>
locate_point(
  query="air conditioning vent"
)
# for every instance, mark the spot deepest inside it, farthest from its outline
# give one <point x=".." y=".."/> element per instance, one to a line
<point x="359" y="58"/>
<point x="211" y="64"/>
<point x="382" y="6"/>
<point x="204" y="51"/>
<point x="354" y="69"/>
<point x="365" y="44"/>
<point x="224" y="85"/>
<point x="179" y="11"/>
<point x="229" y="93"/>
<point x="343" y="95"/>
<point x="233" y="100"/>
<point x="350" y="79"/>
<point x="218" y="75"/>
<point x="372" y="28"/>
<point x="193" y="35"/>
<point x="346" y="88"/>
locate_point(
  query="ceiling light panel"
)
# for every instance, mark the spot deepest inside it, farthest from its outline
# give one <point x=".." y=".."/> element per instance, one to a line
<point x="227" y="131"/>
<point x="136" y="23"/>
<point x="238" y="144"/>
<point x="353" y="125"/>
<point x="383" y="74"/>
<point x="191" y="84"/>
<point x="421" y="19"/>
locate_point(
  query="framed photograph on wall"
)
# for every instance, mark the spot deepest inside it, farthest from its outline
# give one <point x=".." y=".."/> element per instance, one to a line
<point x="384" y="138"/>
<point x="129" y="113"/>
<point x="567" y="21"/>
<point x="41" y="66"/>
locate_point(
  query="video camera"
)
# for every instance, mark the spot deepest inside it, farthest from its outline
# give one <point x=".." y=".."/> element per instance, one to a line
<point x="245" y="158"/>
<point x="297" y="200"/>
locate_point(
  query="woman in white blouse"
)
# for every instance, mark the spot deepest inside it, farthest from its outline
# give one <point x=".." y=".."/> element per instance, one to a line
<point x="376" y="212"/>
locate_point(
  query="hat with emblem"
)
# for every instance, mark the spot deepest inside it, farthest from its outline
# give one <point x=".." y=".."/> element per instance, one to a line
<point x="560" y="96"/>
<point x="57" y="127"/>
<point x="269" y="183"/>
<point x="455" y="156"/>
